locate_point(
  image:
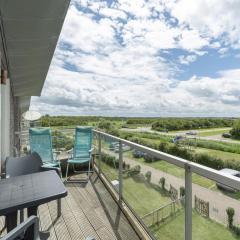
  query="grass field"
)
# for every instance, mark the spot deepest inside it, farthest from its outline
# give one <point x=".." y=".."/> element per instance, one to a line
<point x="213" y="132"/>
<point x="219" y="154"/>
<point x="202" y="130"/>
<point x="143" y="198"/>
<point x="203" y="229"/>
<point x="138" y="192"/>
<point x="175" y="171"/>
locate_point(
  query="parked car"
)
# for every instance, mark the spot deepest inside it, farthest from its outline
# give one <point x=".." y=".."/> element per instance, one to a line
<point x="226" y="135"/>
<point x="177" y="138"/>
<point x="125" y="148"/>
<point x="138" y="154"/>
<point x="230" y="172"/>
<point x="192" y="133"/>
<point x="113" y="145"/>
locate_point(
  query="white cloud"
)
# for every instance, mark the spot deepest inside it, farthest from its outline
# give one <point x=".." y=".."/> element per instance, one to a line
<point x="110" y="61"/>
<point x="213" y="18"/>
<point x="187" y="59"/>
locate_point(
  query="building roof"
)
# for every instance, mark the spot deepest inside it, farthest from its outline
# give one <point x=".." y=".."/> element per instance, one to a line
<point x="31" y="30"/>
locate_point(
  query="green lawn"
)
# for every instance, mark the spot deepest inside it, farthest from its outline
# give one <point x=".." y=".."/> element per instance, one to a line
<point x="213" y="132"/>
<point x="176" y="171"/>
<point x="138" y="192"/>
<point x="142" y="196"/>
<point x="220" y="154"/>
<point x="204" y="130"/>
<point x="203" y="229"/>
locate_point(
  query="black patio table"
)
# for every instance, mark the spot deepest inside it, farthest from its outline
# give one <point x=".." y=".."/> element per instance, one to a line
<point x="28" y="191"/>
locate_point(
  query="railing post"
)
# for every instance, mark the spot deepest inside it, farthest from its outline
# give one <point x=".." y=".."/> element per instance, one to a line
<point x="188" y="202"/>
<point x="120" y="173"/>
<point x="99" y="152"/>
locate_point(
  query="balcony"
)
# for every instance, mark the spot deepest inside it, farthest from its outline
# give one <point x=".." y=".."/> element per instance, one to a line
<point x="126" y="197"/>
<point x="87" y="211"/>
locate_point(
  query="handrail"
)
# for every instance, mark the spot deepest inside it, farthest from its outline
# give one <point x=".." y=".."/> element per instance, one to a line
<point x="220" y="177"/>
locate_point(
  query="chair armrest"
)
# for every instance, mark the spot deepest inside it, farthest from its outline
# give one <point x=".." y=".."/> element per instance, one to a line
<point x="70" y="153"/>
<point x="58" y="170"/>
<point x="91" y="150"/>
<point x="21" y="228"/>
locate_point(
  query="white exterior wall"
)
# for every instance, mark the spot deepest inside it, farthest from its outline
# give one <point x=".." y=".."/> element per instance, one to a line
<point x="5" y="121"/>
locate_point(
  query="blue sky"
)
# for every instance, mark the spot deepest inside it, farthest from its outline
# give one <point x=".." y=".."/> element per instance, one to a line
<point x="146" y="58"/>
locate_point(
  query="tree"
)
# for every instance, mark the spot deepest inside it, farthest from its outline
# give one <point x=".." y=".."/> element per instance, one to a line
<point x="230" y="212"/>
<point x="104" y="124"/>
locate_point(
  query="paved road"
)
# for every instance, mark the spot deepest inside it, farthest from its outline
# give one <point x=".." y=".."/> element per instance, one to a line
<point x="217" y="137"/>
<point x="218" y="202"/>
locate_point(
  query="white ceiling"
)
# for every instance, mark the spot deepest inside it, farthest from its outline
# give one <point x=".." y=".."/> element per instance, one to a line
<point x="31" y="28"/>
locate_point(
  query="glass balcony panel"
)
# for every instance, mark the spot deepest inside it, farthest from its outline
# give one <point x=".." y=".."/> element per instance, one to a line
<point x="154" y="194"/>
<point x="210" y="201"/>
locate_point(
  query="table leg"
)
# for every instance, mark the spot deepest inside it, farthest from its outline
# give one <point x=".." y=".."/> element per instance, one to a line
<point x="11" y="221"/>
<point x="59" y="207"/>
<point x="29" y="234"/>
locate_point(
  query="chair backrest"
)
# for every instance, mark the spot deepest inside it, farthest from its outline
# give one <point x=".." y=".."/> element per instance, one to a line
<point x="83" y="142"/>
<point x="40" y="140"/>
<point x="17" y="166"/>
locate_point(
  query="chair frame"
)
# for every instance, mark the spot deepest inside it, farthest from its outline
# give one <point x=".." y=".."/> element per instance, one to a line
<point x="21" y="228"/>
<point x="52" y="150"/>
<point x="71" y="152"/>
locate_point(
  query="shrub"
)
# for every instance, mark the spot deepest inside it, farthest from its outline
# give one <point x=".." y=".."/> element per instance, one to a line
<point x="148" y="158"/>
<point x="209" y="161"/>
<point x="236" y="230"/>
<point x="235" y="132"/>
<point x="162" y="182"/>
<point x="182" y="191"/>
<point x="134" y="170"/>
<point x="230" y="212"/>
<point x="148" y="176"/>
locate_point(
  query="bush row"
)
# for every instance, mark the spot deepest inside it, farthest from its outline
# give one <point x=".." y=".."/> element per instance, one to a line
<point x="188" y="123"/>
<point x="200" y="158"/>
<point x="226" y="147"/>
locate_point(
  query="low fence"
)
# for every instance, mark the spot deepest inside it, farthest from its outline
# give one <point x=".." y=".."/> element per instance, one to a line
<point x="201" y="206"/>
<point x="161" y="214"/>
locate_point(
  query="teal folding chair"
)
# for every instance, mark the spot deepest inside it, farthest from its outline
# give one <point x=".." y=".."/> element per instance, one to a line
<point x="40" y="140"/>
<point x="82" y="152"/>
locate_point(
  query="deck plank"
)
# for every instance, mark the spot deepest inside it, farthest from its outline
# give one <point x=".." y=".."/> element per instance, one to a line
<point x="59" y="223"/>
<point x="2" y="226"/>
<point x="46" y="223"/>
<point x="87" y="211"/>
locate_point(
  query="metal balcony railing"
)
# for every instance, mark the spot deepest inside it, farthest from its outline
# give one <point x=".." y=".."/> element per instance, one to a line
<point x="189" y="168"/>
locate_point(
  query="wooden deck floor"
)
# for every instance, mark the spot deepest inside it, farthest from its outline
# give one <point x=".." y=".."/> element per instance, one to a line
<point x="87" y="211"/>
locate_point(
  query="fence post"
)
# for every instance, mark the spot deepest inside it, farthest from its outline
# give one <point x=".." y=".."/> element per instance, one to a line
<point x="188" y="202"/>
<point x="120" y="172"/>
<point x="99" y="152"/>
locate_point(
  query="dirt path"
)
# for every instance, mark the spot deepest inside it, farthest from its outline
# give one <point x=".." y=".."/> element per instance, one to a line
<point x="218" y="202"/>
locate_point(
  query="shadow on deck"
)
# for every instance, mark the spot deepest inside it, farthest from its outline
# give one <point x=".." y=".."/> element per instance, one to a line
<point x="88" y="211"/>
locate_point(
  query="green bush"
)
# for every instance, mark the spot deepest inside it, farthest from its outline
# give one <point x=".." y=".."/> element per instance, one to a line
<point x="60" y="140"/>
<point x="162" y="182"/>
<point x="135" y="170"/>
<point x="209" y="161"/>
<point x="182" y="191"/>
<point x="173" y="124"/>
<point x="148" y="176"/>
<point x="235" y="132"/>
<point x="230" y="213"/>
